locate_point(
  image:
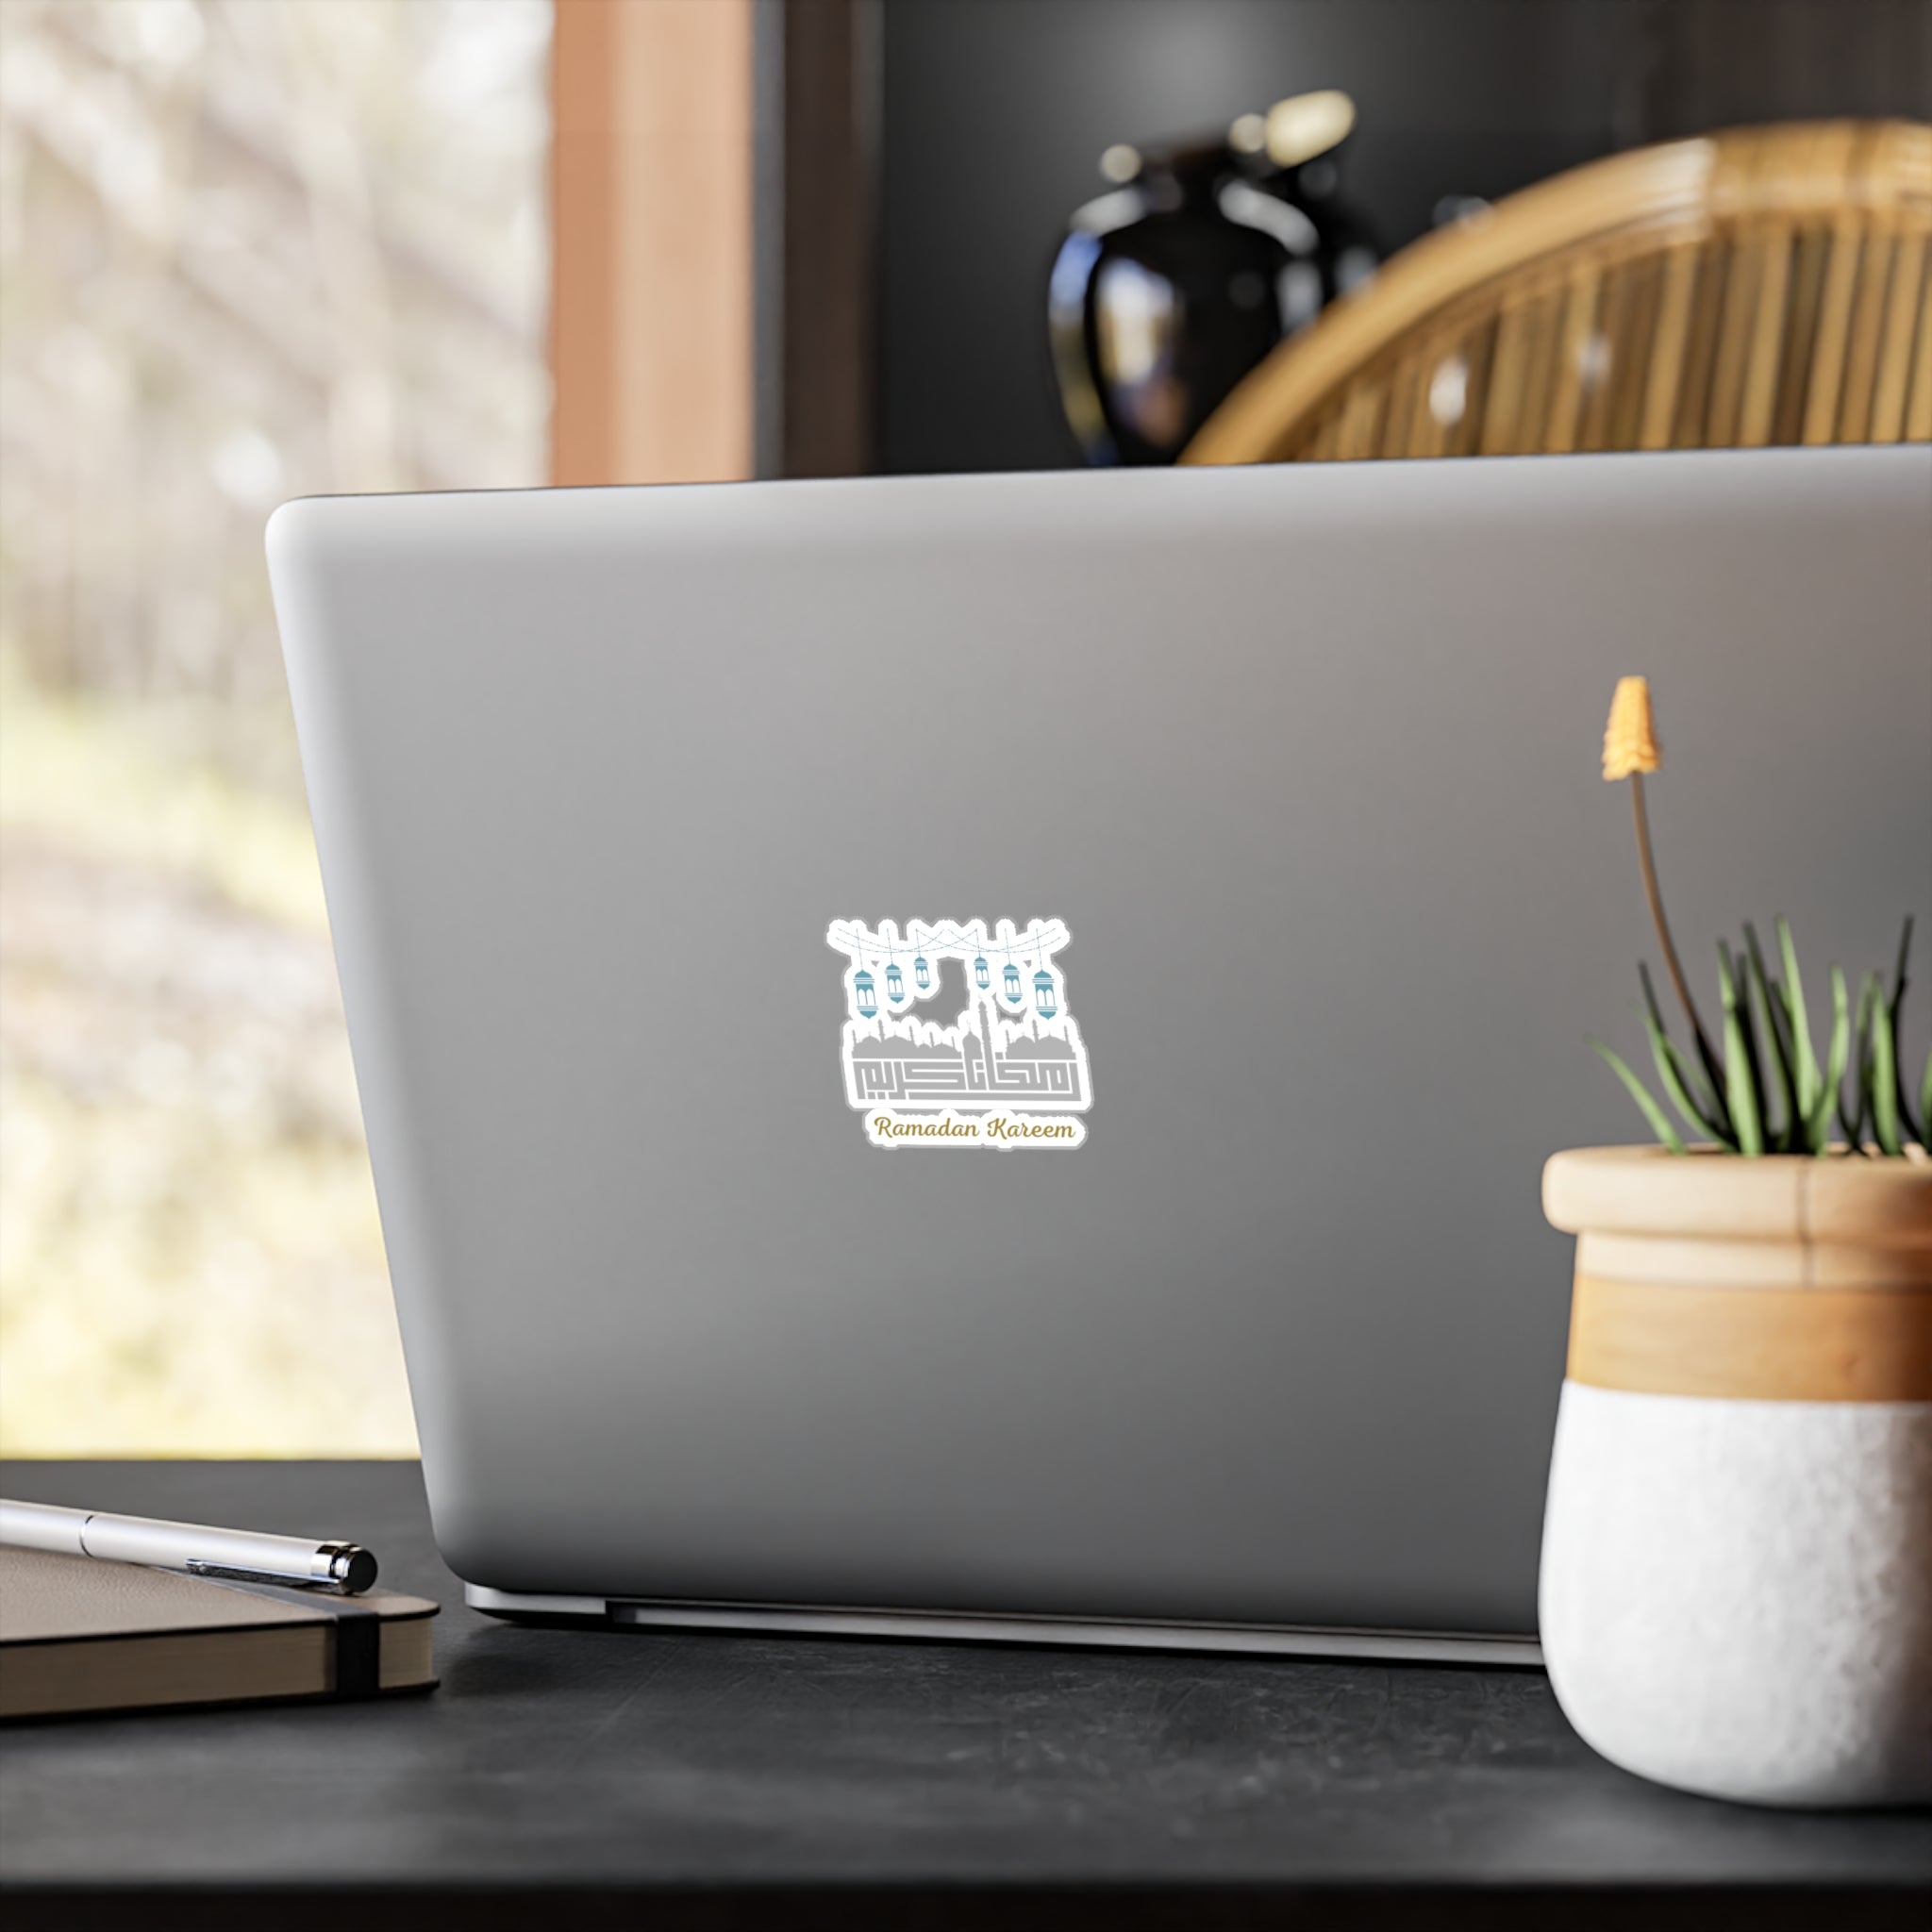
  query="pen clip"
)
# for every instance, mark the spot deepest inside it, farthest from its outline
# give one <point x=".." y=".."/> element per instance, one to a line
<point x="229" y="1572"/>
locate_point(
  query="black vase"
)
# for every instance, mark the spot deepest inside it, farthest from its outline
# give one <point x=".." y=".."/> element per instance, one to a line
<point x="1167" y="291"/>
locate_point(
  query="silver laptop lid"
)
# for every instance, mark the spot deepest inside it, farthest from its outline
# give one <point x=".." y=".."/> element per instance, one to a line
<point x="1275" y="790"/>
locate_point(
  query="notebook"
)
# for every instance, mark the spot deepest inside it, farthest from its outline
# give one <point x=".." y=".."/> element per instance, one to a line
<point x="77" y="1636"/>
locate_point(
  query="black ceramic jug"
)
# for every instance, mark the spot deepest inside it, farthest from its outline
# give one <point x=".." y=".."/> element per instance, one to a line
<point x="1168" y="289"/>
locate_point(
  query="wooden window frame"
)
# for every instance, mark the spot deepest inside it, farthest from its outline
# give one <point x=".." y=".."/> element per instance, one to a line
<point x="712" y="169"/>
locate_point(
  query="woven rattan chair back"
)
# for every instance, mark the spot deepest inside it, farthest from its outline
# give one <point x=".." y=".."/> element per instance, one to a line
<point x="1764" y="285"/>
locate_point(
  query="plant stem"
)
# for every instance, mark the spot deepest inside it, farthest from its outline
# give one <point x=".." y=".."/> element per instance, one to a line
<point x="1648" y="864"/>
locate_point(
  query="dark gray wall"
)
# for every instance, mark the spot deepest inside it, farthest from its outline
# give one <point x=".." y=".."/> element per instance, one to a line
<point x="993" y="113"/>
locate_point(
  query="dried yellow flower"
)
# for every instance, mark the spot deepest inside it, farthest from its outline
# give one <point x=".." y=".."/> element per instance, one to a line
<point x="1630" y="737"/>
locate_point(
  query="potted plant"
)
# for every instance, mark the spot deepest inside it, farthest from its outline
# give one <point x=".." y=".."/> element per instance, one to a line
<point x="1737" y="1572"/>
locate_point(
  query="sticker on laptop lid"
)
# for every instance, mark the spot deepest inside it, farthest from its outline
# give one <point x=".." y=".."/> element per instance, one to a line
<point x="998" y="1061"/>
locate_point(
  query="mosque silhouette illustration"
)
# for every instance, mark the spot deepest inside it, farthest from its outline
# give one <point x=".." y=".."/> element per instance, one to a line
<point x="993" y="1061"/>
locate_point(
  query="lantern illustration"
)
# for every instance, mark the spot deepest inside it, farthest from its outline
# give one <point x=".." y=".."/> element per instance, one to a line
<point x="861" y="984"/>
<point x="980" y="974"/>
<point x="1013" y="983"/>
<point x="920" y="974"/>
<point x="1042" y="994"/>
<point x="895" y="981"/>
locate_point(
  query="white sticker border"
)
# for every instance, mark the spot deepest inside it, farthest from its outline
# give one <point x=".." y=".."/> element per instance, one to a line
<point x="1014" y="986"/>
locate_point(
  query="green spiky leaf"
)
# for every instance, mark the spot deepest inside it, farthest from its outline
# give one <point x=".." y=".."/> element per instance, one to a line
<point x="1766" y="992"/>
<point x="1673" y="1071"/>
<point x="1803" y="1062"/>
<point x="1740" y="1093"/>
<point x="1754" y="1061"/>
<point x="1660" y="1120"/>
<point x="1854" y="1120"/>
<point x="1706" y="1107"/>
<point x="1818" y="1126"/>
<point x="1884" y="1124"/>
<point x="1920" y="1129"/>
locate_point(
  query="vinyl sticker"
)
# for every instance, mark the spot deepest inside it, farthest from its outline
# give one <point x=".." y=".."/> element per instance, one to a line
<point x="1010" y="1071"/>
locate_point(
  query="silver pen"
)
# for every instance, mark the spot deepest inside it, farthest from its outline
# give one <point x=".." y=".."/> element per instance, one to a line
<point x="243" y="1555"/>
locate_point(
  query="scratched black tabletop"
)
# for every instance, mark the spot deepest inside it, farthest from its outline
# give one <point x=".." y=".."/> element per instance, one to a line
<point x="572" y="1777"/>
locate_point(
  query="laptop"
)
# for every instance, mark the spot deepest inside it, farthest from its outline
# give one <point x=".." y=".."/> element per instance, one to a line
<point x="973" y="1055"/>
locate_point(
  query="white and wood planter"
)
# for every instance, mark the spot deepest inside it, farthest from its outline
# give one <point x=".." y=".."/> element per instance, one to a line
<point x="1736" y="1567"/>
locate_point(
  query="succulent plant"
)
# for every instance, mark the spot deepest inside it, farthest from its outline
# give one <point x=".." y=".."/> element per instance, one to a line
<point x="1766" y="1091"/>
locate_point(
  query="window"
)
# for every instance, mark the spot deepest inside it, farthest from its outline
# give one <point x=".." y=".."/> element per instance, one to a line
<point x="247" y="252"/>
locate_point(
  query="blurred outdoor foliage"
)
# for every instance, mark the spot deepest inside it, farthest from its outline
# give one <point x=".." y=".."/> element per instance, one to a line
<point x="249" y="250"/>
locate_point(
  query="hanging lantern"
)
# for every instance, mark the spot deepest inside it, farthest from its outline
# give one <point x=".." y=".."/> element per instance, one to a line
<point x="895" y="981"/>
<point x="980" y="974"/>
<point x="1013" y="983"/>
<point x="1042" y="994"/>
<point x="920" y="974"/>
<point x="861" y="984"/>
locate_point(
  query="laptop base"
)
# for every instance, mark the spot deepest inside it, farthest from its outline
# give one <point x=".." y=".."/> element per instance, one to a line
<point x="1250" y="1640"/>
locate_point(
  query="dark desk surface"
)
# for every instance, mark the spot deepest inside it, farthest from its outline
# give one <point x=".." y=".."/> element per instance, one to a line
<point x="580" y="1776"/>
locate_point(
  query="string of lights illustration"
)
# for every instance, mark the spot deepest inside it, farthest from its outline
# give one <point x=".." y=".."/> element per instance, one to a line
<point x="1038" y="941"/>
